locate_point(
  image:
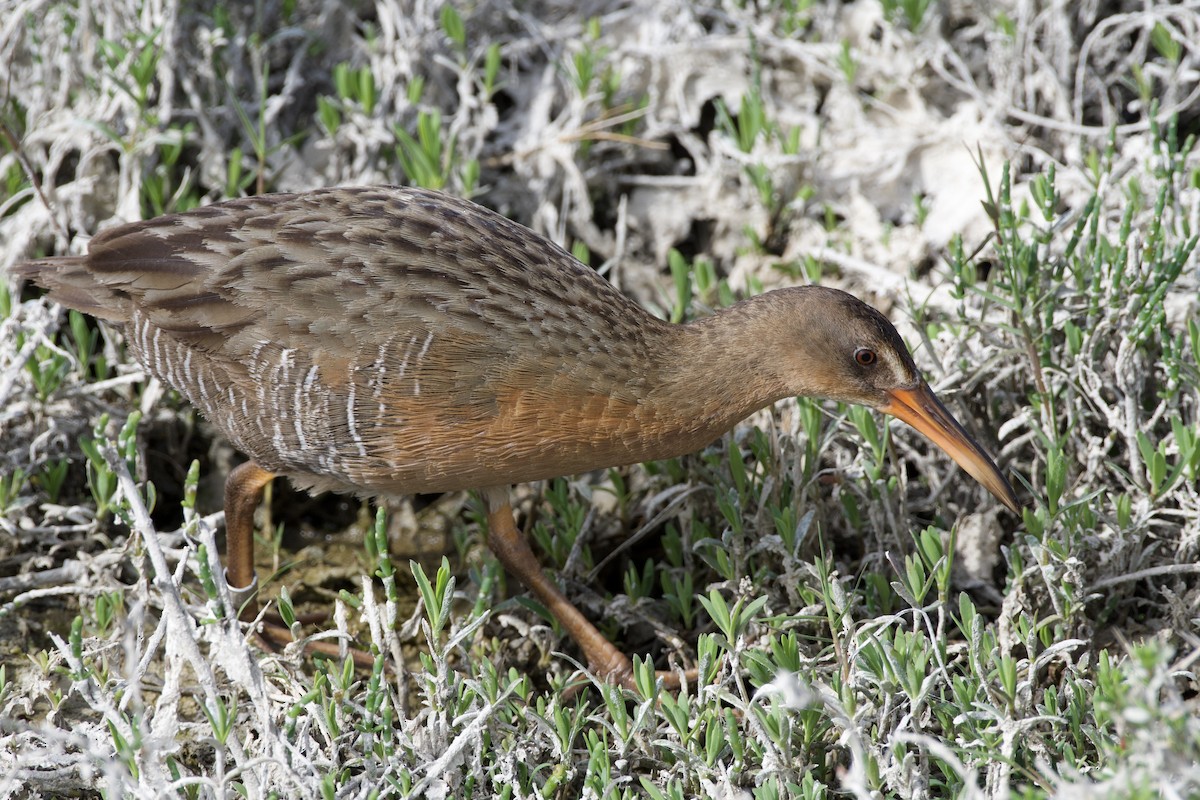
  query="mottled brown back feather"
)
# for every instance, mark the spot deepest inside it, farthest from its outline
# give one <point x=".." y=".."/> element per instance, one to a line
<point x="70" y="281"/>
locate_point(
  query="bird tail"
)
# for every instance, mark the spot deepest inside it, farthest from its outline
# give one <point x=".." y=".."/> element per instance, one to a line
<point x="69" y="282"/>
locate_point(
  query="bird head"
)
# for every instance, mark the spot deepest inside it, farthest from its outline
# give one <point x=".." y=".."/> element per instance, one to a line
<point x="848" y="351"/>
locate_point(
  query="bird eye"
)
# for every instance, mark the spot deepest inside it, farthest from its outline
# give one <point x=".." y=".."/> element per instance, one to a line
<point x="865" y="356"/>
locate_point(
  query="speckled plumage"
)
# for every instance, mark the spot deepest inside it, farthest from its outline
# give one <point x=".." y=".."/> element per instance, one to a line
<point x="389" y="340"/>
<point x="395" y="340"/>
<point x="378" y="340"/>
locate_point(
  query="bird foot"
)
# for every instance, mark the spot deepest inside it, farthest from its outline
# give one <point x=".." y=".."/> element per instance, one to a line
<point x="616" y="668"/>
<point x="244" y="597"/>
<point x="308" y="618"/>
<point x="274" y="634"/>
<point x="272" y="637"/>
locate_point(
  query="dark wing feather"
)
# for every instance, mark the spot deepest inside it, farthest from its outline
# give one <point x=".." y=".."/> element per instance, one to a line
<point x="349" y="270"/>
<point x="70" y="281"/>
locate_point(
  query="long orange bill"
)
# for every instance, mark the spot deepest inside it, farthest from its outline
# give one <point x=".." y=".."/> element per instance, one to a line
<point x="920" y="408"/>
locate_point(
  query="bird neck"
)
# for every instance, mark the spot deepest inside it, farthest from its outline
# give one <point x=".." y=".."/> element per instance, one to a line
<point x="718" y="370"/>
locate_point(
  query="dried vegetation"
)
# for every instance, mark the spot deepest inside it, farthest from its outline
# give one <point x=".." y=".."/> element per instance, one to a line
<point x="1014" y="181"/>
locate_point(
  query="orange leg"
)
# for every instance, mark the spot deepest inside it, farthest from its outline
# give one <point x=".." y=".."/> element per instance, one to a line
<point x="510" y="547"/>
<point x="243" y="492"/>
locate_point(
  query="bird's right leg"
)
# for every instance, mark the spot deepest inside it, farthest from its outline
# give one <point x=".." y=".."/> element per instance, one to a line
<point x="510" y="546"/>
<point x="243" y="492"/>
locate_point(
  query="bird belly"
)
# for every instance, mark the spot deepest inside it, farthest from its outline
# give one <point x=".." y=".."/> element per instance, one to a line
<point x="522" y="436"/>
<point x="371" y="430"/>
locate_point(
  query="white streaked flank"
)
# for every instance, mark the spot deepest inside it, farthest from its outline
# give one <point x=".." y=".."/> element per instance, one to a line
<point x="420" y="357"/>
<point x="254" y="372"/>
<point x="376" y="382"/>
<point x="350" y="422"/>
<point x="407" y="353"/>
<point x="286" y="362"/>
<point x="158" y="367"/>
<point x="298" y="417"/>
<point x="204" y="404"/>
